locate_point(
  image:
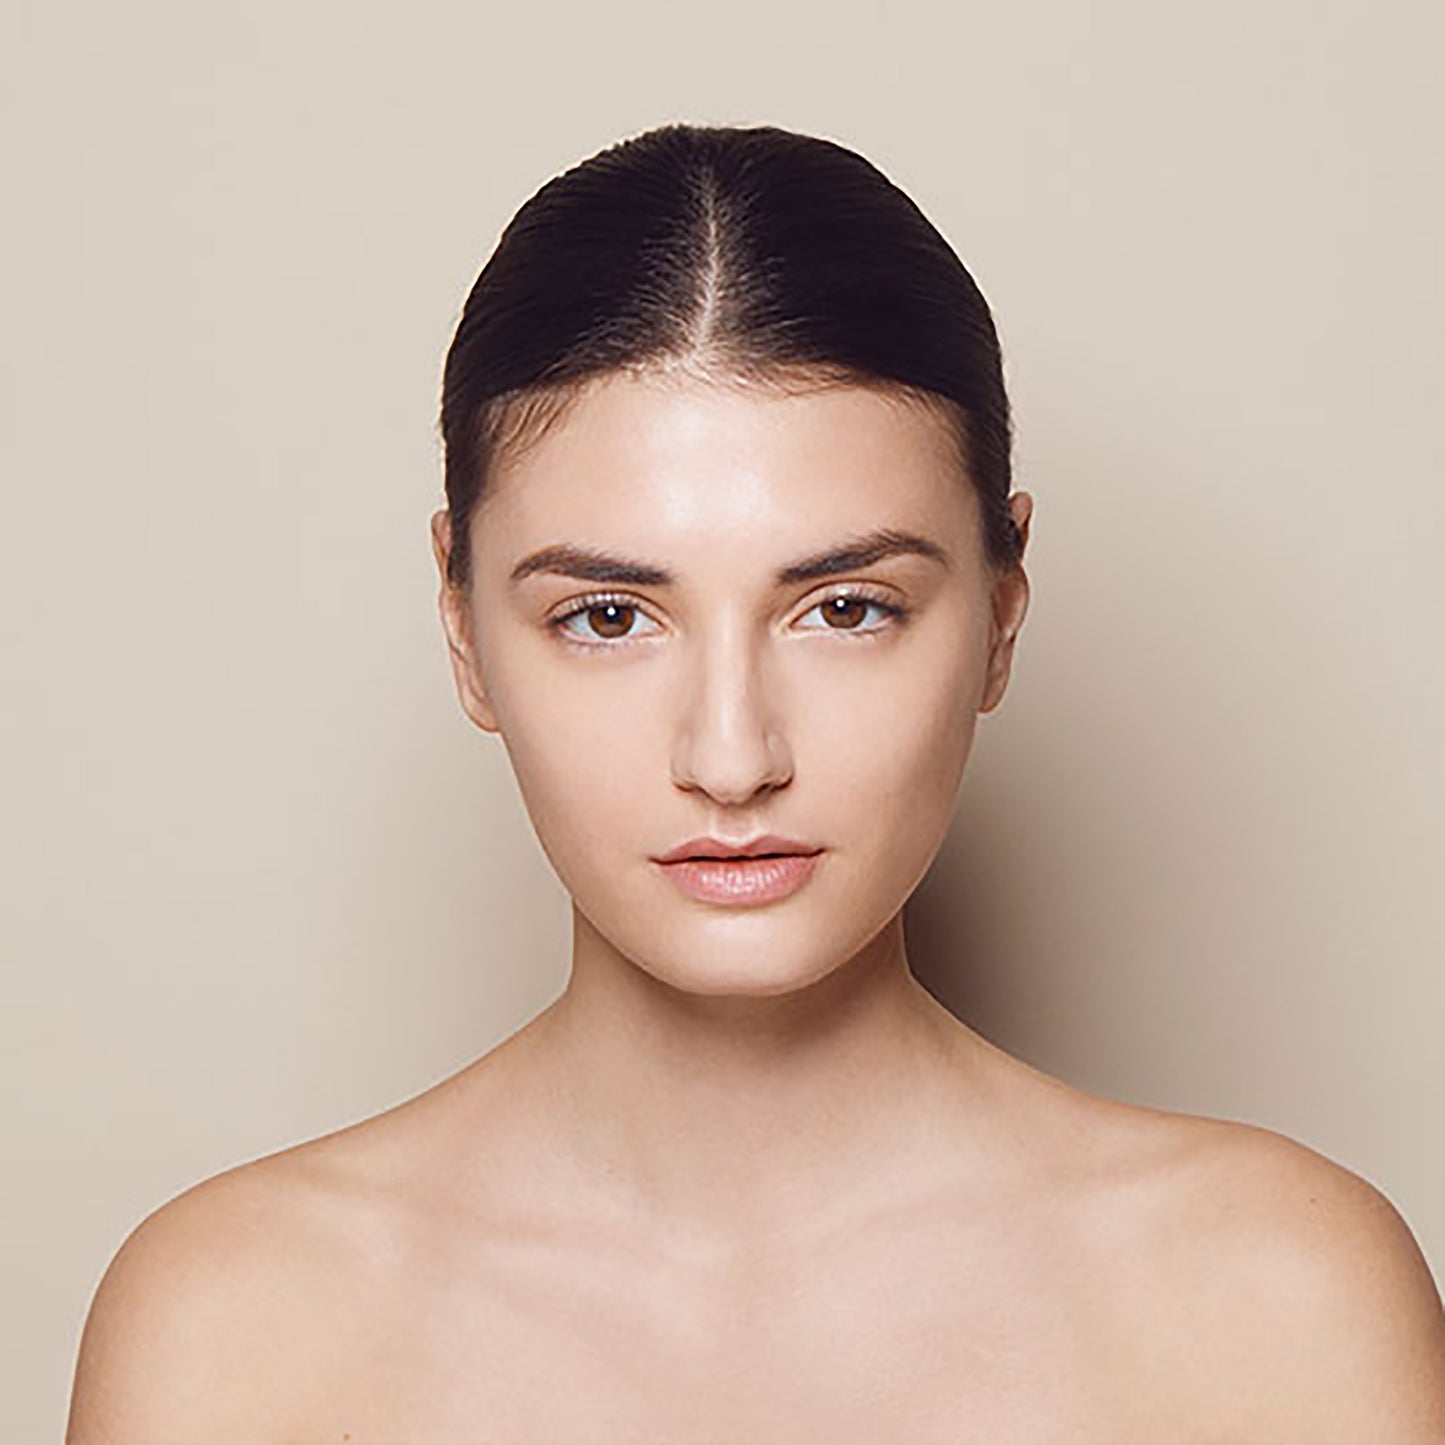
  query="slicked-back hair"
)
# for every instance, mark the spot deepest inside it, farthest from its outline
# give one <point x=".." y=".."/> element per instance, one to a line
<point x="753" y="255"/>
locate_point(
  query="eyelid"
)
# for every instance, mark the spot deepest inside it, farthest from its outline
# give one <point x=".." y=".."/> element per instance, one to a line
<point x="895" y="610"/>
<point x="590" y="600"/>
<point x="575" y="606"/>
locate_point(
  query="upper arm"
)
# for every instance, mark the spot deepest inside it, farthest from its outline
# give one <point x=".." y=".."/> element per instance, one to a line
<point x="173" y="1348"/>
<point x="1335" y="1328"/>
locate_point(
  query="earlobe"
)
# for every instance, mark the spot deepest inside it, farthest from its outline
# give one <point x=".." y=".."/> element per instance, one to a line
<point x="466" y="672"/>
<point x="1000" y="665"/>
<point x="1010" y="604"/>
<point x="452" y="604"/>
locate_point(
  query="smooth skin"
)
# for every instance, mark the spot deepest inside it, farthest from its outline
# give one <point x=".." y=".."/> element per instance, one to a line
<point x="745" y="1180"/>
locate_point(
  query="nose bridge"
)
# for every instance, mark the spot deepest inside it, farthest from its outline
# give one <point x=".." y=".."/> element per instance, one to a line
<point x="728" y="738"/>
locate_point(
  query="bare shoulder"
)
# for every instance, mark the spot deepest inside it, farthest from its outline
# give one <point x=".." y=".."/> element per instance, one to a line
<point x="230" y="1313"/>
<point x="1289" y="1291"/>
<point x="201" y="1323"/>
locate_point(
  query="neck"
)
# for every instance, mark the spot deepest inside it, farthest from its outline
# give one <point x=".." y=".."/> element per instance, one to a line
<point x="743" y="1113"/>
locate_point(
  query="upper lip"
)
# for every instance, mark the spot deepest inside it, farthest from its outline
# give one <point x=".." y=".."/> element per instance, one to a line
<point x="721" y="848"/>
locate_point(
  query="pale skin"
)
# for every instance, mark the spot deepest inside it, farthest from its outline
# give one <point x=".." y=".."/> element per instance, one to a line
<point x="745" y="1180"/>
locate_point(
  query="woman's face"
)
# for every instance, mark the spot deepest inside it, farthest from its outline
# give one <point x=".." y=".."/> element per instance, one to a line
<point x="713" y="691"/>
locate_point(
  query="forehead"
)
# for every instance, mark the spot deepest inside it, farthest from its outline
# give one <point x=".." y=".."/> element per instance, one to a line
<point x="668" y="463"/>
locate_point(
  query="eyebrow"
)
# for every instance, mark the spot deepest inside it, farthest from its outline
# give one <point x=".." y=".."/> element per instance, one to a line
<point x="591" y="565"/>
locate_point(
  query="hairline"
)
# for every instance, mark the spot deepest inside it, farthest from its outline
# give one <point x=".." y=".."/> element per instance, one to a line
<point x="513" y="424"/>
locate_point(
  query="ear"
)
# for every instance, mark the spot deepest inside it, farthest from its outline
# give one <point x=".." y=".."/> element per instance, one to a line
<point x="1010" y="603"/>
<point x="454" y="603"/>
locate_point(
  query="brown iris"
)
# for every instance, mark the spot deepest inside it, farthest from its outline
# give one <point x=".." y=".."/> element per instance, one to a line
<point x="847" y="610"/>
<point x="619" y="615"/>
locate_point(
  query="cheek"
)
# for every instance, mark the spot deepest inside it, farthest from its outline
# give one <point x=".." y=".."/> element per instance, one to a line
<point x="580" y="765"/>
<point x="893" y="751"/>
<point x="586" y="758"/>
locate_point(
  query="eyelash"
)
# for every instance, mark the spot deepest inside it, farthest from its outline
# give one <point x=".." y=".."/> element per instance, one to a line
<point x="895" y="614"/>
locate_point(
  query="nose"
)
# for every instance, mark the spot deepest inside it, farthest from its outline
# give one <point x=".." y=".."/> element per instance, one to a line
<point x="729" y="741"/>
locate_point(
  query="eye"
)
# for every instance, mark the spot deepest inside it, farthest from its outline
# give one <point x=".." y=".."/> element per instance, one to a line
<point x="606" y="617"/>
<point x="844" y="611"/>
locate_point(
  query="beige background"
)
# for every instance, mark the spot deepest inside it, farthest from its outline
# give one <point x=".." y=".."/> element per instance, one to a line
<point x="262" y="878"/>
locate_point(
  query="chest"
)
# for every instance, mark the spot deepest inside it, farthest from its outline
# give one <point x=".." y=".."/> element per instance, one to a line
<point x="1009" y="1347"/>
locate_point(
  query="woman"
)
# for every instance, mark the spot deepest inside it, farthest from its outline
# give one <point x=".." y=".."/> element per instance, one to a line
<point x="731" y="564"/>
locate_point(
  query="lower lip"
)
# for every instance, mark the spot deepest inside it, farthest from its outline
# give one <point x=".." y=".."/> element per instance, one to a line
<point x="742" y="880"/>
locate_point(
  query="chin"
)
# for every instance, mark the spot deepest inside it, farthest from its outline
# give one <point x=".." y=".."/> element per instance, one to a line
<point x="738" y="975"/>
<point x="739" y="985"/>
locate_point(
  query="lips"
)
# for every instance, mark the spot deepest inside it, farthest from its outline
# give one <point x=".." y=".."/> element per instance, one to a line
<point x="748" y="871"/>
<point x="769" y="844"/>
<point x="759" y="878"/>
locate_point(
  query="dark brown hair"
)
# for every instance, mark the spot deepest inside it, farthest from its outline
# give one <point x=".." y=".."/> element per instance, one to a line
<point x="752" y="254"/>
